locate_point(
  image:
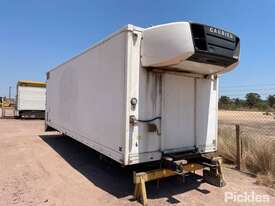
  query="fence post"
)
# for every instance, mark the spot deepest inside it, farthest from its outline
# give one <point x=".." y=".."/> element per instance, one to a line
<point x="3" y="111"/>
<point x="238" y="147"/>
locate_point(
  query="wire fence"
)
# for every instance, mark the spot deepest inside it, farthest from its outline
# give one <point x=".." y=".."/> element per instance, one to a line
<point x="247" y="138"/>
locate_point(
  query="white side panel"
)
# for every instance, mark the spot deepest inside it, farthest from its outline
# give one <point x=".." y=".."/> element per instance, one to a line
<point x="86" y="97"/>
<point x="149" y="106"/>
<point x="31" y="98"/>
<point x="145" y="86"/>
<point x="207" y="115"/>
<point x="178" y="113"/>
<point x="150" y="92"/>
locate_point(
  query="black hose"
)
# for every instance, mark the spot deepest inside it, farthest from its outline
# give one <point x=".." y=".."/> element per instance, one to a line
<point x="149" y="120"/>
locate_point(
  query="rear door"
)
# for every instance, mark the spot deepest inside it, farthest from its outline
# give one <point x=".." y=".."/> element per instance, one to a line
<point x="178" y="113"/>
<point x="31" y="98"/>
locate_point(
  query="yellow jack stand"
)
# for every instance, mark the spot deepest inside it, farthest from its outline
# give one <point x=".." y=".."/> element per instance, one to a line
<point x="212" y="173"/>
<point x="141" y="178"/>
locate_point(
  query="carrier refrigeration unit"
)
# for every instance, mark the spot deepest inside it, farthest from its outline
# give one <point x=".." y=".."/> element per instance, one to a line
<point x="144" y="94"/>
<point x="30" y="99"/>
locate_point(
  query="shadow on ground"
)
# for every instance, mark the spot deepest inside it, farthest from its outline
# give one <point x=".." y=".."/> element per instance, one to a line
<point x="111" y="177"/>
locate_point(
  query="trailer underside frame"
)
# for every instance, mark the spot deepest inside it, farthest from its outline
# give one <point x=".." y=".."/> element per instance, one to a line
<point x="31" y="114"/>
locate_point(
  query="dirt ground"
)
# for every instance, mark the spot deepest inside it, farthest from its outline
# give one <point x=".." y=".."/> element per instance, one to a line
<point x="38" y="168"/>
<point x="249" y="118"/>
<point x="253" y="124"/>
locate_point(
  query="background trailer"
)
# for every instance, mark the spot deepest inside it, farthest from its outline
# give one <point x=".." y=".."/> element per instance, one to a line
<point x="141" y="94"/>
<point x="30" y="99"/>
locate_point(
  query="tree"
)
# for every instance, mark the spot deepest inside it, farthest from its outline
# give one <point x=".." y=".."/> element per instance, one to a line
<point x="252" y="99"/>
<point x="224" y="100"/>
<point x="237" y="102"/>
<point x="271" y="100"/>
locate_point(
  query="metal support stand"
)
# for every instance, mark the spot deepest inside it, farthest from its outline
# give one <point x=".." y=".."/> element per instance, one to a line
<point x="213" y="175"/>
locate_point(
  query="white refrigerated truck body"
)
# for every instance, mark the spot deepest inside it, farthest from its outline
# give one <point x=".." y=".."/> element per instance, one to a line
<point x="142" y="93"/>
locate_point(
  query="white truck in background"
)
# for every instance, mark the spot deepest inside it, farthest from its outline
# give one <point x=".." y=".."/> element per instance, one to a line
<point x="30" y="99"/>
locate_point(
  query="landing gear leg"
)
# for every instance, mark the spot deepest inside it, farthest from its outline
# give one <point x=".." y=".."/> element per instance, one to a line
<point x="214" y="175"/>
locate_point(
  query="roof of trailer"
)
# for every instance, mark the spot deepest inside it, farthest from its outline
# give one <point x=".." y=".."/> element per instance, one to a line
<point x="31" y="83"/>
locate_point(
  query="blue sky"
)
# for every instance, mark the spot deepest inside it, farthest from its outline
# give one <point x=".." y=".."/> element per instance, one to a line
<point x="37" y="35"/>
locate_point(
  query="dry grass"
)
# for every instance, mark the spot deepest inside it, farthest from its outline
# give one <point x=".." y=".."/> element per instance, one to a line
<point x="257" y="154"/>
<point x="266" y="180"/>
<point x="227" y="143"/>
<point x="259" y="157"/>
